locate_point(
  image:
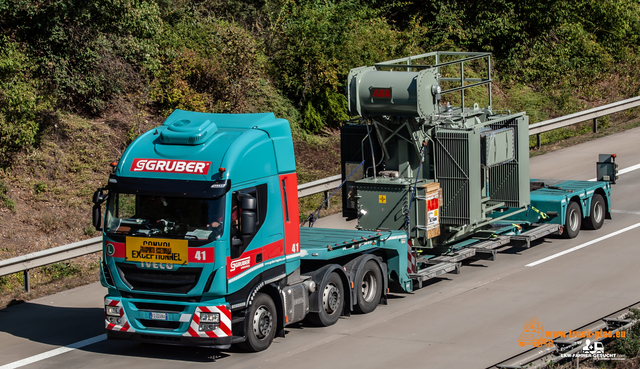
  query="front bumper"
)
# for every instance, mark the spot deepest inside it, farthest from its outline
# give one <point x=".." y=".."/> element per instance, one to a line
<point x="184" y="329"/>
<point x="215" y="342"/>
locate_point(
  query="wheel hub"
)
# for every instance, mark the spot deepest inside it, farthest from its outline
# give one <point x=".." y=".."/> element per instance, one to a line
<point x="369" y="286"/>
<point x="331" y="298"/>
<point x="573" y="220"/>
<point x="262" y="322"/>
<point x="597" y="212"/>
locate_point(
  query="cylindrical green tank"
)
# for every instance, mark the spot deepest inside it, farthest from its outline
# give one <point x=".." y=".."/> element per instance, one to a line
<point x="398" y="93"/>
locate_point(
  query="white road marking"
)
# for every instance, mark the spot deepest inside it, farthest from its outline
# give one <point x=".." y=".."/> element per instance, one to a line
<point x="54" y="352"/>
<point x="581" y="246"/>
<point x="622" y="171"/>
<point x="625" y="212"/>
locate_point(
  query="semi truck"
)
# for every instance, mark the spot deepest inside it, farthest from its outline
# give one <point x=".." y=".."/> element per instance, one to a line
<point x="201" y="228"/>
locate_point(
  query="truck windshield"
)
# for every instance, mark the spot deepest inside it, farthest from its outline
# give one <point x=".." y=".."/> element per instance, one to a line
<point x="164" y="216"/>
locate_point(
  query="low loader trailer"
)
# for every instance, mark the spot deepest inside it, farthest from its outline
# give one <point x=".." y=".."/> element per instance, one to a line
<point x="201" y="227"/>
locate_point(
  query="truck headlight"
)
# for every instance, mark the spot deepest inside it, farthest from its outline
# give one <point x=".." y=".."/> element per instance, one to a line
<point x="114" y="320"/>
<point x="113" y="310"/>
<point x="209" y="317"/>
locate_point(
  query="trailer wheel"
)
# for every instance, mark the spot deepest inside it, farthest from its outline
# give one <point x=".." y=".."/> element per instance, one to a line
<point x="332" y="302"/>
<point x="261" y="324"/>
<point x="573" y="220"/>
<point x="596" y="218"/>
<point x="370" y="282"/>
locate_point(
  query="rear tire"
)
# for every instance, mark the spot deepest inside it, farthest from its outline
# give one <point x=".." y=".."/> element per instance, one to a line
<point x="261" y="324"/>
<point x="573" y="220"/>
<point x="332" y="302"/>
<point x="595" y="220"/>
<point x="370" y="282"/>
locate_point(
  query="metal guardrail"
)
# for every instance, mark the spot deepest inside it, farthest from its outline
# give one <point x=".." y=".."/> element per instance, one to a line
<point x="582" y="116"/>
<point x="55" y="255"/>
<point x="73" y="250"/>
<point x="322" y="185"/>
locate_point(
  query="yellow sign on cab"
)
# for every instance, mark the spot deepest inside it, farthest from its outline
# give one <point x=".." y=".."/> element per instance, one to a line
<point x="157" y="250"/>
<point x="382" y="199"/>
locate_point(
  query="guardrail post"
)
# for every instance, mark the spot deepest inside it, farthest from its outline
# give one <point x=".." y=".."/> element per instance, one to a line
<point x="27" y="285"/>
<point x="326" y="198"/>
<point x="538" y="141"/>
<point x="595" y="125"/>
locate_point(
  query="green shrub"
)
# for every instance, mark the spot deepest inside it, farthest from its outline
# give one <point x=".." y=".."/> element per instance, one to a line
<point x="40" y="187"/>
<point x="317" y="43"/>
<point x="21" y="103"/>
<point x="171" y="88"/>
<point x="209" y="65"/>
<point x="89" y="231"/>
<point x="86" y="53"/>
<point x="61" y="270"/>
<point x="5" y="200"/>
<point x="217" y="55"/>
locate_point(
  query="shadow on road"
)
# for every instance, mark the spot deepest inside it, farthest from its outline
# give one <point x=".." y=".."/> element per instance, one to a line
<point x="62" y="326"/>
<point x="52" y="325"/>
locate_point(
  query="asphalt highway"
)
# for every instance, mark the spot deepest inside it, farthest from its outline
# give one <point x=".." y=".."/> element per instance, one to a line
<point x="467" y="320"/>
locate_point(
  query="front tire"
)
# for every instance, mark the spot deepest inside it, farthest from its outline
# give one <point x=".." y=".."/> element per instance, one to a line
<point x="332" y="302"/>
<point x="261" y="324"/>
<point x="370" y="282"/>
<point x="573" y="220"/>
<point x="595" y="220"/>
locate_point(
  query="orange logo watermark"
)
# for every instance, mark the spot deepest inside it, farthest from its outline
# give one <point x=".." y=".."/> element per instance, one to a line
<point x="534" y="334"/>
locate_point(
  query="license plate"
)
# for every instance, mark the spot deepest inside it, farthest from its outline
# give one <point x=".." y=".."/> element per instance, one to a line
<point x="157" y="316"/>
<point x="157" y="250"/>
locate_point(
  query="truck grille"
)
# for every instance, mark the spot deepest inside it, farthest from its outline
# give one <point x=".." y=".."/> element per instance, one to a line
<point x="178" y="281"/>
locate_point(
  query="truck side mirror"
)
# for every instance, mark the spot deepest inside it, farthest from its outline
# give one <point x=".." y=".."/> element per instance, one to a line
<point x="248" y="203"/>
<point x="248" y="222"/>
<point x="97" y="217"/>
<point x="99" y="196"/>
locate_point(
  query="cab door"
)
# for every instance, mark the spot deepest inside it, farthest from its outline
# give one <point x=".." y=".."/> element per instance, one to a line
<point x="246" y="216"/>
<point x="290" y="213"/>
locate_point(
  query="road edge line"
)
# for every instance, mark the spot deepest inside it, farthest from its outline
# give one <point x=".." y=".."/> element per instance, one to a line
<point x="580" y="246"/>
<point x="54" y="352"/>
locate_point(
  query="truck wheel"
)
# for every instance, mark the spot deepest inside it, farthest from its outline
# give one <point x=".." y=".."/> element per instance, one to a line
<point x="332" y="302"/>
<point x="596" y="218"/>
<point x="573" y="220"/>
<point x="370" y="282"/>
<point x="261" y="324"/>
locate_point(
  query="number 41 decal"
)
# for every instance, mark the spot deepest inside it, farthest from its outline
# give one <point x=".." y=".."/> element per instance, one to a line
<point x="295" y="248"/>
<point x="201" y="255"/>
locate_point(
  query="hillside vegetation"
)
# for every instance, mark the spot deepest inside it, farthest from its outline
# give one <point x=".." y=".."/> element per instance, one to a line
<point x="79" y="80"/>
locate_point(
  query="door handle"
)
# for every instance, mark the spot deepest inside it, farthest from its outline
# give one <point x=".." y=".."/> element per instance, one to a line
<point x="259" y="258"/>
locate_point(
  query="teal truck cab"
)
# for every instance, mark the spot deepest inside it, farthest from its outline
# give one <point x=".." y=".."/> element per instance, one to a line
<point x="202" y="243"/>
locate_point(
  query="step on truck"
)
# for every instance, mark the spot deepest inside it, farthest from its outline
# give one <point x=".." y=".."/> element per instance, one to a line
<point x="201" y="227"/>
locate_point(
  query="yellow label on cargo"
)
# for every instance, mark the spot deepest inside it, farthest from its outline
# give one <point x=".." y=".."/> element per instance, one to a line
<point x="157" y="250"/>
<point x="382" y="199"/>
